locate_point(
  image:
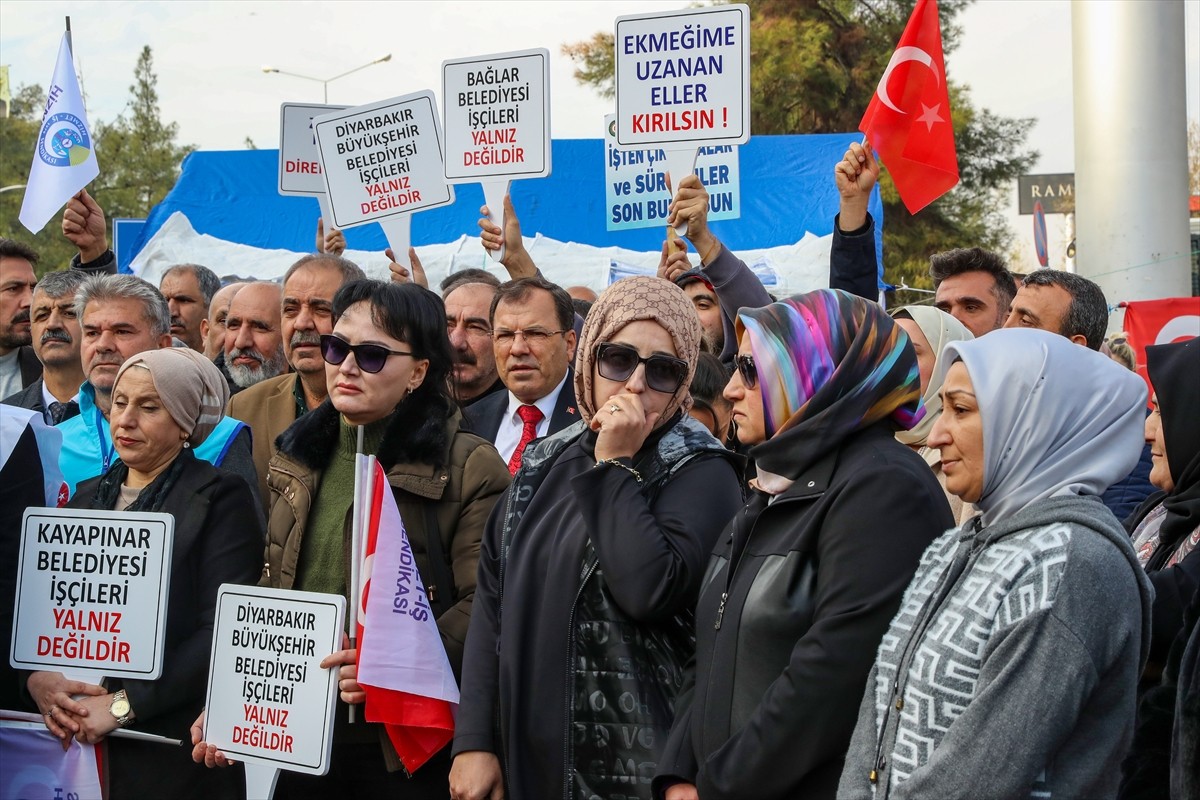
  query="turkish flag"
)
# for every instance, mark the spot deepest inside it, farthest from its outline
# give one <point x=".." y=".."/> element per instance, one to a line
<point x="908" y="120"/>
<point x="402" y="663"/>
<point x="1164" y="321"/>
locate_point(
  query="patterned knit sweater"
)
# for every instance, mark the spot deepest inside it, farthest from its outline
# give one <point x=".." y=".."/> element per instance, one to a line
<point x="1011" y="668"/>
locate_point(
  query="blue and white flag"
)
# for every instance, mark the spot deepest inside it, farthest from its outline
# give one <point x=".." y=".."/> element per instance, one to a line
<point x="64" y="159"/>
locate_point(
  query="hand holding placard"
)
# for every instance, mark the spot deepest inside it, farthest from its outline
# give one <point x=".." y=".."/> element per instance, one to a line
<point x="508" y="240"/>
<point x="270" y="701"/>
<point x="682" y="80"/>
<point x="497" y="123"/>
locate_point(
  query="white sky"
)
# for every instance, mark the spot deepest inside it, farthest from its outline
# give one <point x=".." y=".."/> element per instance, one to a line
<point x="1015" y="55"/>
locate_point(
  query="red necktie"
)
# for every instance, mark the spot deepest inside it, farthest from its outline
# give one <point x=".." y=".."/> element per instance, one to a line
<point x="531" y="416"/>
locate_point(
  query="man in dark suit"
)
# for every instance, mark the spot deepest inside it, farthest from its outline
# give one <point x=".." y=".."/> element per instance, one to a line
<point x="56" y="339"/>
<point x="19" y="366"/>
<point x="534" y="340"/>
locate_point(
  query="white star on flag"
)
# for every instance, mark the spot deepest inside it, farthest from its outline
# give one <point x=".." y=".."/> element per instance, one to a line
<point x="930" y="116"/>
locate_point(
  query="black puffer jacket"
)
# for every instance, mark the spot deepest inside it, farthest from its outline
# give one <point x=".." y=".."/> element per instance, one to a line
<point x="582" y="618"/>
<point x="785" y="643"/>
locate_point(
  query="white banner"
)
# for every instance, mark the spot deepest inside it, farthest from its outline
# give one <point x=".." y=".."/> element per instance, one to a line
<point x="383" y="160"/>
<point x="683" y="77"/>
<point x="497" y="116"/>
<point x="92" y="592"/>
<point x="269" y="702"/>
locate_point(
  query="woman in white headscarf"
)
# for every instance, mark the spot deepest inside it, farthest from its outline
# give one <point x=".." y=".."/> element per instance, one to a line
<point x="931" y="330"/>
<point x="1011" y="668"/>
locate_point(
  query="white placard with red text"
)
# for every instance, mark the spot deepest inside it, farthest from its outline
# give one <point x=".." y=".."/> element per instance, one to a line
<point x="92" y="592"/>
<point x="269" y="702"/>
<point x="299" y="163"/>
<point x="497" y="116"/>
<point x="383" y="159"/>
<point x="683" y="77"/>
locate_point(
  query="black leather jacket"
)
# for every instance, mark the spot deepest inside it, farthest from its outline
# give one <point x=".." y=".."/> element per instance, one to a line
<point x="787" y="635"/>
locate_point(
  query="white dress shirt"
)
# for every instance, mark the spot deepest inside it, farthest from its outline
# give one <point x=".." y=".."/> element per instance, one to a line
<point x="508" y="436"/>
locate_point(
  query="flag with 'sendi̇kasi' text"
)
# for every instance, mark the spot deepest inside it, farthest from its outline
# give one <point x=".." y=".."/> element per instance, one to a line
<point x="402" y="663"/>
<point x="64" y="157"/>
<point x="908" y="121"/>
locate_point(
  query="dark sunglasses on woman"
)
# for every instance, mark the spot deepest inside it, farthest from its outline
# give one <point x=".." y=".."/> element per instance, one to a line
<point x="368" y="357"/>
<point x="747" y="369"/>
<point x="618" y="361"/>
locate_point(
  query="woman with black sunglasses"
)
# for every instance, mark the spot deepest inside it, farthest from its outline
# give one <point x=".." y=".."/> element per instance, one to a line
<point x="591" y="566"/>
<point x="810" y="573"/>
<point x="387" y="368"/>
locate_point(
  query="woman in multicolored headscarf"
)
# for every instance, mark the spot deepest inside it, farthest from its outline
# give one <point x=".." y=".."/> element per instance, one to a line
<point x="808" y="575"/>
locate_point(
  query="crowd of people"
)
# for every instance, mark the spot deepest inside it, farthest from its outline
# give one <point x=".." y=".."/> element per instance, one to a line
<point x="683" y="540"/>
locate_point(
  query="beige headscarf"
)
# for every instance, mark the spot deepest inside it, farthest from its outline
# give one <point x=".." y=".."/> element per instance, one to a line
<point x="192" y="389"/>
<point x="940" y="329"/>
<point x="630" y="300"/>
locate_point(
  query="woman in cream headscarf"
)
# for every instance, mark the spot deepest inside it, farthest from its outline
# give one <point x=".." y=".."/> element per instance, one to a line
<point x="165" y="402"/>
<point x="930" y="330"/>
<point x="597" y="550"/>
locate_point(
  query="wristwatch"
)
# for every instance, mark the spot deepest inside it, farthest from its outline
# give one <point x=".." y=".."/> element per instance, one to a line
<point x="120" y="708"/>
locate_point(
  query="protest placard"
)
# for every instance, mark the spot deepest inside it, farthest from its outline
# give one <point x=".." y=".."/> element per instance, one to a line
<point x="683" y="80"/>
<point x="92" y="592"/>
<point x="299" y="163"/>
<point x="269" y="702"/>
<point x="635" y="186"/>
<point x="497" y="122"/>
<point x="382" y="162"/>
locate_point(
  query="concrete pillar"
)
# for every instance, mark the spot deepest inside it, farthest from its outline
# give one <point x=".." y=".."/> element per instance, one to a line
<point x="1131" y="183"/>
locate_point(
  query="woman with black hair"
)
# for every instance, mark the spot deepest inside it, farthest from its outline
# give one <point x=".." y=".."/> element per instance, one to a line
<point x="387" y="368"/>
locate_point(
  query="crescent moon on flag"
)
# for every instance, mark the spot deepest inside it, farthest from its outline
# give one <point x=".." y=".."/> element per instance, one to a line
<point x="901" y="55"/>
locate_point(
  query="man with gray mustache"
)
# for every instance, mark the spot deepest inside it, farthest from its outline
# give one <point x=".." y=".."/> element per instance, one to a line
<point x="55" y="331"/>
<point x="273" y="404"/>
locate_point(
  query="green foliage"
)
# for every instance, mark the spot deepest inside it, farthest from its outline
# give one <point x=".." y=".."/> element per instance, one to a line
<point x="814" y="67"/>
<point x="139" y="159"/>
<point x="139" y="162"/>
<point x="18" y="136"/>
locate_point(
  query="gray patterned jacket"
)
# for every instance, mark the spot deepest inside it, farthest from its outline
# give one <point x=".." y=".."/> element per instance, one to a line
<point x="1011" y="668"/>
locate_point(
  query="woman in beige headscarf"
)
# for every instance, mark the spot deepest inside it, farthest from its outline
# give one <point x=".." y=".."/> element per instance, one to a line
<point x="165" y="402"/>
<point x="597" y="549"/>
<point x="930" y="330"/>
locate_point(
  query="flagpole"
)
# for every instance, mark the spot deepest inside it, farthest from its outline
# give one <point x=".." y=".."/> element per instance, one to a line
<point x="70" y="42"/>
<point x="356" y="549"/>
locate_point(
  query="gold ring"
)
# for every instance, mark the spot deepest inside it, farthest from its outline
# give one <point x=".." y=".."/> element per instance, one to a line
<point x="614" y="408"/>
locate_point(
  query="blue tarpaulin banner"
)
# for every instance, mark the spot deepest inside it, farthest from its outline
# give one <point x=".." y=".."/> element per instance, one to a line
<point x="787" y="189"/>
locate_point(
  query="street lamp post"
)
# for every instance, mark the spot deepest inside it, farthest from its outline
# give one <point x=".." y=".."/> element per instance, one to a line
<point x="326" y="81"/>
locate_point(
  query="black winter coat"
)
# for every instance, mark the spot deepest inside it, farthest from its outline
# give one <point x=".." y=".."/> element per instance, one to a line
<point x="216" y="541"/>
<point x="785" y="643"/>
<point x="580" y="633"/>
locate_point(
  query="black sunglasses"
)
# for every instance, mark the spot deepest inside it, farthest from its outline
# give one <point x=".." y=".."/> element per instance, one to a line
<point x="368" y="357"/>
<point x="618" y="361"/>
<point x="747" y="369"/>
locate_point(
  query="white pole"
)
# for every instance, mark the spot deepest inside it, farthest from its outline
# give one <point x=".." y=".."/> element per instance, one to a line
<point x="356" y="546"/>
<point x="1131" y="183"/>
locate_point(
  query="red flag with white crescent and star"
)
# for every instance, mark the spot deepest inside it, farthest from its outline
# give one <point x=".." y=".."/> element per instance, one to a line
<point x="908" y="120"/>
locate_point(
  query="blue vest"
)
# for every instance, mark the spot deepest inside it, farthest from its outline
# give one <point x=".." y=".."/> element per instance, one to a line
<point x="87" y="448"/>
